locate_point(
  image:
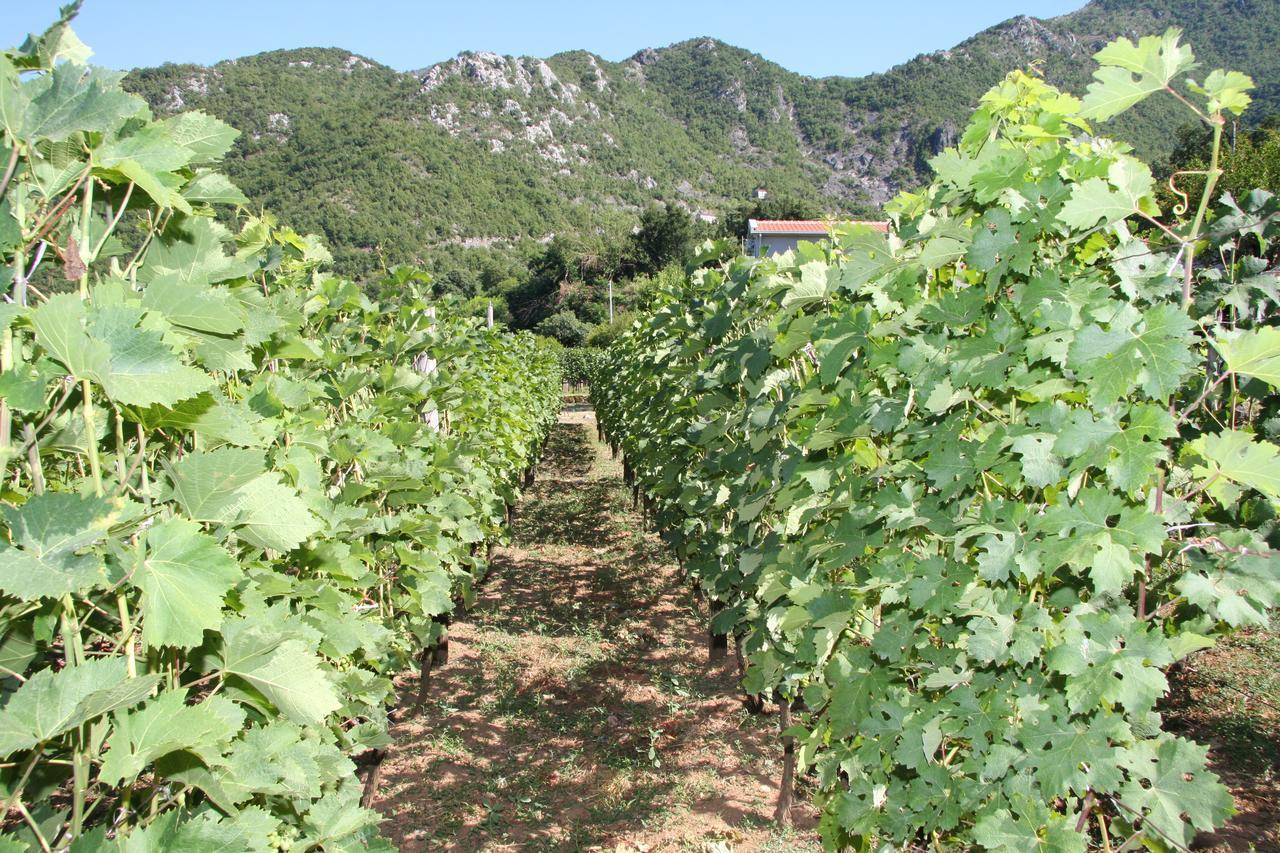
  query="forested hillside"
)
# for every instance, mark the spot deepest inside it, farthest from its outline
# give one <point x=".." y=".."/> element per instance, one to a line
<point x="481" y="152"/>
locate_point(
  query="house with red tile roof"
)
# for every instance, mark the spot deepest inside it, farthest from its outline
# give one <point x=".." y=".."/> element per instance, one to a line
<point x="775" y="236"/>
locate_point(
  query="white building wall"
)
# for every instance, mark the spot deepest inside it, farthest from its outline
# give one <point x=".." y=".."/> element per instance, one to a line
<point x="776" y="244"/>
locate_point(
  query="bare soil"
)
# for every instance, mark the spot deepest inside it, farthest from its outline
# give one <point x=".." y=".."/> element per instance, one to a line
<point x="1228" y="698"/>
<point x="579" y="709"/>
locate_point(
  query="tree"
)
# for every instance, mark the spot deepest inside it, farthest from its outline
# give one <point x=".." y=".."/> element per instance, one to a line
<point x="780" y="207"/>
<point x="565" y="327"/>
<point x="1250" y="160"/>
<point x="666" y="234"/>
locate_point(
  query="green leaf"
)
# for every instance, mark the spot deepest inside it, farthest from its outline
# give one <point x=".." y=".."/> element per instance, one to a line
<point x="1094" y="201"/>
<point x="217" y="420"/>
<point x="228" y="486"/>
<point x="285" y="672"/>
<point x="1151" y="351"/>
<point x="214" y="188"/>
<point x="52" y="702"/>
<point x="1225" y="90"/>
<point x="24" y="387"/>
<point x="1238" y="457"/>
<point x="1241" y="592"/>
<point x="151" y="148"/>
<point x="207" y="484"/>
<point x="1168" y="778"/>
<point x="1126" y="191"/>
<point x="167" y="724"/>
<point x="336" y="817"/>
<point x="72" y="99"/>
<point x="810" y="286"/>
<point x="941" y="251"/>
<point x="194" y="255"/>
<point x="142" y="370"/>
<point x="1131" y="73"/>
<point x="206" y="138"/>
<point x="48" y="534"/>
<point x="14" y="98"/>
<point x="132" y="365"/>
<point x="17" y="650"/>
<point x="209" y="832"/>
<point x="195" y="305"/>
<point x="162" y="187"/>
<point x="183" y="575"/>
<point x="1040" y="467"/>
<point x="1255" y="352"/>
<point x="60" y="328"/>
<point x="1002" y="831"/>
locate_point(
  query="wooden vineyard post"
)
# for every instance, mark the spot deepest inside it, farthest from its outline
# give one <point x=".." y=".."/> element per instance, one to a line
<point x="371" y="762"/>
<point x="488" y="316"/>
<point x="782" y="814"/>
<point x="717" y="644"/>
<point x="429" y="659"/>
<point x="755" y="704"/>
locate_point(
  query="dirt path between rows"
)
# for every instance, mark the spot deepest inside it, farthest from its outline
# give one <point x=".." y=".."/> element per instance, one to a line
<point x="578" y="710"/>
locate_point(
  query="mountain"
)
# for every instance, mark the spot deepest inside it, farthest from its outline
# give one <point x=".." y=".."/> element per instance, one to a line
<point x="483" y="151"/>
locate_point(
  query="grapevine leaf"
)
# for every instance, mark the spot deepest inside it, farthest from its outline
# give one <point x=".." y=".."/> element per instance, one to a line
<point x="1130" y="73"/>
<point x="337" y="816"/>
<point x="1238" y="457"/>
<point x="73" y="99"/>
<point x="273" y="515"/>
<point x="1255" y="352"/>
<point x="1240" y="593"/>
<point x="48" y="533"/>
<point x="167" y="724"/>
<point x="1125" y="192"/>
<point x="213" y="188"/>
<point x="51" y="702"/>
<point x="1138" y="447"/>
<point x="204" y="137"/>
<point x="1039" y="466"/>
<point x="1094" y="201"/>
<point x="141" y="370"/>
<point x="277" y="758"/>
<point x="1167" y="779"/>
<point x="1151" y="351"/>
<point x="196" y="306"/>
<point x="248" y="829"/>
<point x="196" y="255"/>
<point x="810" y="286"/>
<point x="151" y="148"/>
<point x="1226" y="90"/>
<point x="184" y="576"/>
<point x="207" y="485"/>
<point x="229" y="486"/>
<point x="14" y="98"/>
<point x="285" y="672"/>
<point x="163" y="187"/>
<point x="208" y="832"/>
<point x="133" y="365"/>
<point x="60" y="328"/>
<point x="1003" y="831"/>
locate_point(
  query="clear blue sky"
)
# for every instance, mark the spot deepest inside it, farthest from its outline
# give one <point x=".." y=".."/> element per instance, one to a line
<point x="847" y="37"/>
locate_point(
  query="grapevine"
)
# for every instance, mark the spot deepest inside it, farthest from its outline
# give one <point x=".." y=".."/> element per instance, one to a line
<point x="961" y="494"/>
<point x="240" y="493"/>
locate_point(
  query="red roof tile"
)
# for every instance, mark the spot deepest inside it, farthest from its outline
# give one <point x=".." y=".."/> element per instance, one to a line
<point x="816" y="227"/>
